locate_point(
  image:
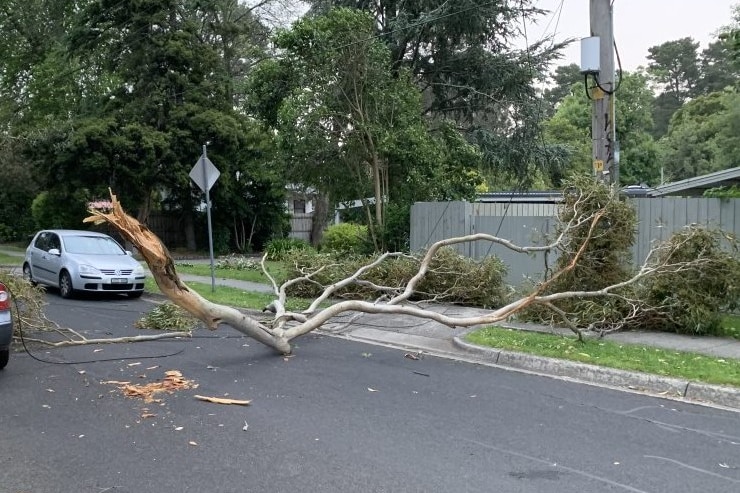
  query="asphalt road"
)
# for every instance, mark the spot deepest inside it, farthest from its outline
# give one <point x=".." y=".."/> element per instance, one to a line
<point x="337" y="416"/>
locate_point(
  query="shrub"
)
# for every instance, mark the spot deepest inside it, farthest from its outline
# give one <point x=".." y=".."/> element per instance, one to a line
<point x="279" y="248"/>
<point x="452" y="278"/>
<point x="347" y="238"/>
<point x="57" y="209"/>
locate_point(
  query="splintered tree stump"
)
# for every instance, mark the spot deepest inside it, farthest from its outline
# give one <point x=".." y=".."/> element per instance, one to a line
<point x="162" y="267"/>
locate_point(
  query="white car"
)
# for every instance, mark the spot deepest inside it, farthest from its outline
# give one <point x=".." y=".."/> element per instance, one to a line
<point x="85" y="261"/>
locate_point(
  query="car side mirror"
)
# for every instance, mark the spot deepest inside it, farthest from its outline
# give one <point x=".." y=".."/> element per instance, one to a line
<point x="54" y="251"/>
<point x="129" y="253"/>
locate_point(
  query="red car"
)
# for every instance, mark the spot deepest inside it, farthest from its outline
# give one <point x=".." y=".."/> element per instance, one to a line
<point x="6" y="326"/>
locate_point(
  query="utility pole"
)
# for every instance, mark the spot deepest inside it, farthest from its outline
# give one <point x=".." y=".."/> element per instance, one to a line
<point x="605" y="154"/>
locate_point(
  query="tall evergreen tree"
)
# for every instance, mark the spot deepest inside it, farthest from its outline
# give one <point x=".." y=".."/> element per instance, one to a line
<point x="674" y="68"/>
<point x="462" y="58"/>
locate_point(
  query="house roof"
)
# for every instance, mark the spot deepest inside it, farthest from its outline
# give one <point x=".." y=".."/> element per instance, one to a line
<point x="548" y="196"/>
<point x="697" y="185"/>
<point x="544" y="196"/>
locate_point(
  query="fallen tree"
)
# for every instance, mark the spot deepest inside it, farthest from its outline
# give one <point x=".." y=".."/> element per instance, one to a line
<point x="286" y="325"/>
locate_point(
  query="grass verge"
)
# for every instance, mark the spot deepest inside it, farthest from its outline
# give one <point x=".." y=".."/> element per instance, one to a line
<point x="664" y="362"/>
<point x="226" y="295"/>
<point x="276" y="270"/>
<point x="11" y="260"/>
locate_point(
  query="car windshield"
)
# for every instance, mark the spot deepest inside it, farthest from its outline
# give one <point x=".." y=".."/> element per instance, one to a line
<point x="92" y="245"/>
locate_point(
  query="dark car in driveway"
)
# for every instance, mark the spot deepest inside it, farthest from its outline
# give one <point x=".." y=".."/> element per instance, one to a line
<point x="6" y="325"/>
<point x="82" y="261"/>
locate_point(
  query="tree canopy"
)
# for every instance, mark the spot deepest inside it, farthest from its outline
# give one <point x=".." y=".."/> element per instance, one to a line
<point x="571" y="126"/>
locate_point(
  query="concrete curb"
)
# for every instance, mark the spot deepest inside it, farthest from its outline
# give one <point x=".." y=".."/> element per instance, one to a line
<point x="635" y="381"/>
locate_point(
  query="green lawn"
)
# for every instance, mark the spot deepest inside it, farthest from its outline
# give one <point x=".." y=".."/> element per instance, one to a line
<point x="226" y="295"/>
<point x="614" y="355"/>
<point x="276" y="269"/>
<point x="11" y="260"/>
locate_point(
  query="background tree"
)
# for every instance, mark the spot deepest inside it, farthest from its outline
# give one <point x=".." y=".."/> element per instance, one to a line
<point x="168" y="90"/>
<point x="571" y="126"/>
<point x="39" y="86"/>
<point x="238" y="35"/>
<point x="731" y="34"/>
<point x="703" y="136"/>
<point x="350" y="127"/>
<point x="718" y="67"/>
<point x="674" y="69"/>
<point x="566" y="80"/>
<point x="462" y="60"/>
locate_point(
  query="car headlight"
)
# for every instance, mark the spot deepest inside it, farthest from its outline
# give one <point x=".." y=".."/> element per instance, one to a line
<point x="89" y="269"/>
<point x="139" y="271"/>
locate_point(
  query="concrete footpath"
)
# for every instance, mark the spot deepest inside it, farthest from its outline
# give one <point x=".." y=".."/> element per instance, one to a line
<point x="422" y="337"/>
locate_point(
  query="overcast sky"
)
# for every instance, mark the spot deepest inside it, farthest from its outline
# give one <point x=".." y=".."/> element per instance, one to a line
<point x="638" y="24"/>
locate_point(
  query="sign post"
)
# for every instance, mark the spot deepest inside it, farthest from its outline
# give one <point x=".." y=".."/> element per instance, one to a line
<point x="205" y="174"/>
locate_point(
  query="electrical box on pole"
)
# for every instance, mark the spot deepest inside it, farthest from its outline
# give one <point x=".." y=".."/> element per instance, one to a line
<point x="591" y="55"/>
<point x="601" y="90"/>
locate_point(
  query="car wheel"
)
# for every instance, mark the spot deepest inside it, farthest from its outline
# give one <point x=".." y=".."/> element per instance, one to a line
<point x="4" y="357"/>
<point x="27" y="275"/>
<point x="65" y="285"/>
<point x="135" y="294"/>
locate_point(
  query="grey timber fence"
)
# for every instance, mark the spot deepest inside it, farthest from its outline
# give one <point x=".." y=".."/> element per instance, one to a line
<point x="533" y="223"/>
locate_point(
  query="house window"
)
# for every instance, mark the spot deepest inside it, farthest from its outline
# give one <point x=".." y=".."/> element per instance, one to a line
<point x="299" y="206"/>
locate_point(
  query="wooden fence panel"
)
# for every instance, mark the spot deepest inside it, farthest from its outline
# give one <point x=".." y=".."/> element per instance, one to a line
<point x="658" y="219"/>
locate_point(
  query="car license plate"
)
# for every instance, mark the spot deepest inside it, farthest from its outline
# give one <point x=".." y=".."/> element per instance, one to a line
<point x="119" y="280"/>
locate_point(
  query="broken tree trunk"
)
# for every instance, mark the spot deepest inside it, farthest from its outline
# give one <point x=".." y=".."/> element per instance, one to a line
<point x="162" y="267"/>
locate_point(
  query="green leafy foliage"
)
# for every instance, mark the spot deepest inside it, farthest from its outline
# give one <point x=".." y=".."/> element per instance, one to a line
<point x="167" y="316"/>
<point x="703" y="136"/>
<point x="60" y="209"/>
<point x="571" y="126"/>
<point x="732" y="192"/>
<point x="459" y="52"/>
<point x="279" y="248"/>
<point x="692" y="300"/>
<point x="452" y="278"/>
<point x="17" y="190"/>
<point x="347" y="238"/>
<point x="27" y="304"/>
<point x="692" y="280"/>
<point x="605" y="259"/>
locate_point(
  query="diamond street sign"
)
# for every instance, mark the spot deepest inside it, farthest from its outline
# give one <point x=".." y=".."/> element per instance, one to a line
<point x="204" y="173"/>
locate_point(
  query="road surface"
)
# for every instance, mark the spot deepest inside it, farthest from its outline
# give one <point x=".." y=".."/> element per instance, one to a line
<point x="337" y="416"/>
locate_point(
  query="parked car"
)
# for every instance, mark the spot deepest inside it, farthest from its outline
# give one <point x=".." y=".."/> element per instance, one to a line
<point x="6" y="326"/>
<point x="84" y="261"/>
